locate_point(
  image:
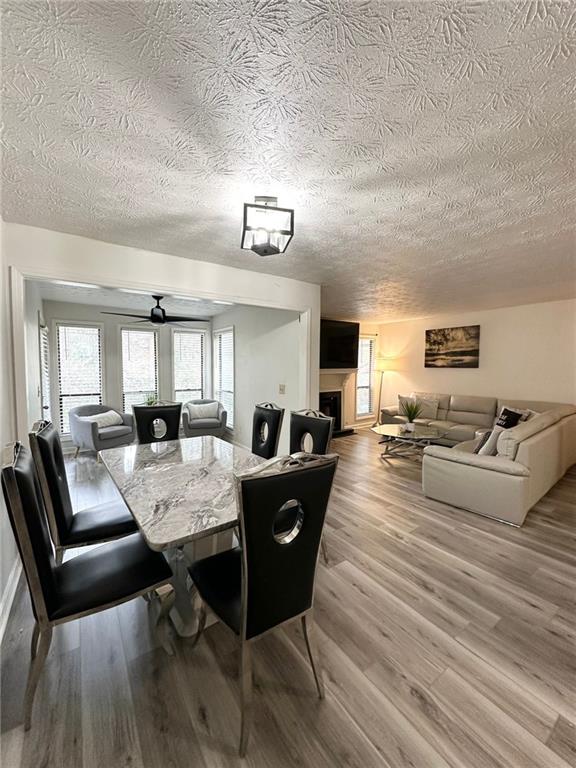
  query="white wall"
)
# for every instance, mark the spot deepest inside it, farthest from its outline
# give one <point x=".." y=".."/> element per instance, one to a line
<point x="266" y="352"/>
<point x="112" y="351"/>
<point x="526" y="352"/>
<point x="32" y="317"/>
<point x="9" y="561"/>
<point x="42" y="253"/>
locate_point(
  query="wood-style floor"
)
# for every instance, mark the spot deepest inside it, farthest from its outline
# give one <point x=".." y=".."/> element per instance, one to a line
<point x="447" y="640"/>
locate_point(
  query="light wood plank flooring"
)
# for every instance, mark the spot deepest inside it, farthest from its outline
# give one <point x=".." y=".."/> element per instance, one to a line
<point x="447" y="639"/>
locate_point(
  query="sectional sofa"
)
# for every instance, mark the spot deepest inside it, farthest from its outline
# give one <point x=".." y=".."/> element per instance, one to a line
<point x="530" y="458"/>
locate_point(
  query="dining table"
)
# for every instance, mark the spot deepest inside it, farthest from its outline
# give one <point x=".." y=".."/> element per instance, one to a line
<point x="182" y="495"/>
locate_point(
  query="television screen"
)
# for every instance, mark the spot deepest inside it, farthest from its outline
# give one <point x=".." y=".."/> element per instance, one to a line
<point x="338" y="344"/>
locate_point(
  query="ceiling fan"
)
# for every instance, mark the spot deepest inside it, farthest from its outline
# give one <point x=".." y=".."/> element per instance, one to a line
<point x="158" y="315"/>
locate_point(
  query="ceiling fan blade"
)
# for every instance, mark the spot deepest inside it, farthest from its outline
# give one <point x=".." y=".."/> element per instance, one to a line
<point x="126" y="314"/>
<point x="178" y="319"/>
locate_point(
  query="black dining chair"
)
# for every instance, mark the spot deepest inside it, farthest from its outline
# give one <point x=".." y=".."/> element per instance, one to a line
<point x="155" y="423"/>
<point x="315" y="424"/>
<point x="102" y="578"/>
<point x="94" y="525"/>
<point x="269" y="579"/>
<point x="317" y="427"/>
<point x="266" y="427"/>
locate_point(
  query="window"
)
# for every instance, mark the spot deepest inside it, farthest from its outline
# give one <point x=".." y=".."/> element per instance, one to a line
<point x="188" y="356"/>
<point x="224" y="370"/>
<point x="139" y="367"/>
<point x="364" y="378"/>
<point x="79" y="369"/>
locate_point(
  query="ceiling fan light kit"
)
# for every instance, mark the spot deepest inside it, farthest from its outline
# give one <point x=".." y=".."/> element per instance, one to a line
<point x="267" y="229"/>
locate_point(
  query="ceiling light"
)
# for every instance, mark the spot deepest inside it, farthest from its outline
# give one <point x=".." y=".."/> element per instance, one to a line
<point x="185" y="298"/>
<point x="73" y="284"/>
<point x="228" y="303"/>
<point x="267" y="229"/>
<point x="133" y="290"/>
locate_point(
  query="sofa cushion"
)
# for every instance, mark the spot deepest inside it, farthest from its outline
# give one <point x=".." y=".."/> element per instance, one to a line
<point x="461" y="433"/>
<point x="202" y="410"/>
<point x="104" y="419"/>
<point x="205" y="424"/>
<point x="108" y="433"/>
<point x="443" y="426"/>
<point x="469" y="409"/>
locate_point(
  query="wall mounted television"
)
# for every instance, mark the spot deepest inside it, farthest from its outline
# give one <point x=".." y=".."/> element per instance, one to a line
<point x="339" y="344"/>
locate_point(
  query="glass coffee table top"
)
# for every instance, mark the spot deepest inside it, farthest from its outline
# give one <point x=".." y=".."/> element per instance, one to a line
<point x="397" y="431"/>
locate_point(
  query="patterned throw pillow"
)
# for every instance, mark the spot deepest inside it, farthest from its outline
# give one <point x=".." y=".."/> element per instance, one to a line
<point x="506" y="420"/>
<point x="202" y="410"/>
<point x="428" y="407"/>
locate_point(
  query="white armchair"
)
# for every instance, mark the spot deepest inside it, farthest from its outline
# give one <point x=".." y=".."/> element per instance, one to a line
<point x="204" y="417"/>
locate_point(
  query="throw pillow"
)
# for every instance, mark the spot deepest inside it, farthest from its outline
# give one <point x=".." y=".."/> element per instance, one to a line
<point x="202" y="410"/>
<point x="506" y="420"/>
<point x="524" y="414"/>
<point x="429" y="407"/>
<point x="482" y="441"/>
<point x="106" y="419"/>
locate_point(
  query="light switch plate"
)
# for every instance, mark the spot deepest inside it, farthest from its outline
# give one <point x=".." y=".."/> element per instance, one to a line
<point x="282" y="389"/>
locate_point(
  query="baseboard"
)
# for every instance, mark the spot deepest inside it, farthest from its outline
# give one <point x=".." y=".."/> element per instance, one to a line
<point x="8" y="596"/>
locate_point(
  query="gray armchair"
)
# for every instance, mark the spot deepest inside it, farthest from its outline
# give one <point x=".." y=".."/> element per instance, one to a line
<point x="87" y="435"/>
<point x="206" y="425"/>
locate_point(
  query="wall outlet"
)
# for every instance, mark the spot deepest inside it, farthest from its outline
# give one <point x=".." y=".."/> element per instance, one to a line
<point x="282" y="389"/>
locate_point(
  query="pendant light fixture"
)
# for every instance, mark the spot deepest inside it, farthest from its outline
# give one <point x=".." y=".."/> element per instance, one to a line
<point x="267" y="229"/>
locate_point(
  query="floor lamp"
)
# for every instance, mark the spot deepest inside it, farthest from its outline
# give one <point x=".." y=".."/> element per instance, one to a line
<point x="381" y="366"/>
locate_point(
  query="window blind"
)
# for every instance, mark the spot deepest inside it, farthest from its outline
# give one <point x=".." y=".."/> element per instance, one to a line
<point x="224" y="370"/>
<point x="188" y="357"/>
<point x="45" y="373"/>
<point x="79" y="369"/>
<point x="139" y="367"/>
<point x="365" y="377"/>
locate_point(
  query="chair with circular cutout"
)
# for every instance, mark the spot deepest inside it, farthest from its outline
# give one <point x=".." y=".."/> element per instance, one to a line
<point x="269" y="580"/>
<point x="155" y="423"/>
<point x="310" y="431"/>
<point x="266" y="427"/>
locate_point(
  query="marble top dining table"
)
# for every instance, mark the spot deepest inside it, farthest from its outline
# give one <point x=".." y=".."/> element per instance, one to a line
<point x="179" y="490"/>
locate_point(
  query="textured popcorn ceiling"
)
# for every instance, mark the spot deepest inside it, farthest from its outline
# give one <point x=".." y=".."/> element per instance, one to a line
<point x="427" y="147"/>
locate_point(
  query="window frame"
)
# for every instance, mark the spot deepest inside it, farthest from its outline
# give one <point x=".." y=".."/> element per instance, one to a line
<point x="205" y="379"/>
<point x="55" y="409"/>
<point x="133" y="327"/>
<point x="216" y="332"/>
<point x="370" y="387"/>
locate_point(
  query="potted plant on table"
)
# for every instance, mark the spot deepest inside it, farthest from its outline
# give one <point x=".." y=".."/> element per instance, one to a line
<point x="412" y="410"/>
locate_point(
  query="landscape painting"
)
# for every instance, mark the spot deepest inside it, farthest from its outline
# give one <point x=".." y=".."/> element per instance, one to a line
<point x="453" y="347"/>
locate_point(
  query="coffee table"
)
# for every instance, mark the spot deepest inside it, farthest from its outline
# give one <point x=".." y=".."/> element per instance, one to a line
<point x="402" y="444"/>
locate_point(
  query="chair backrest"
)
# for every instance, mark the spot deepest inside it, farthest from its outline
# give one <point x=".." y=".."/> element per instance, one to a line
<point x="313" y="423"/>
<point x="146" y="415"/>
<point x="266" y="427"/>
<point x="51" y="471"/>
<point x="90" y="410"/>
<point x="28" y="520"/>
<point x="279" y="563"/>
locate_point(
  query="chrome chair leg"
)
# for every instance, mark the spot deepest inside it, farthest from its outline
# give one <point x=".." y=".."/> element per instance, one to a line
<point x="245" y="695"/>
<point x="43" y="645"/>
<point x="312" y="648"/>
<point x="201" y="623"/>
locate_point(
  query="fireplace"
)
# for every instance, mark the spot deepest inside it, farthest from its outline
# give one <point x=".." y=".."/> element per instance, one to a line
<point x="331" y="405"/>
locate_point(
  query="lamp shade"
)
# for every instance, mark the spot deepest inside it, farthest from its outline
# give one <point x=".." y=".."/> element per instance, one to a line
<point x="384" y="364"/>
<point x="267" y="229"/>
